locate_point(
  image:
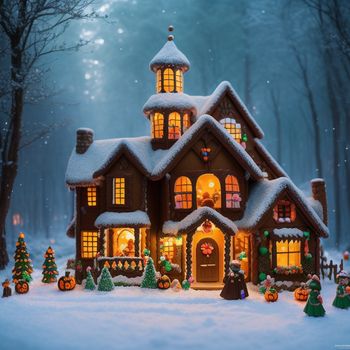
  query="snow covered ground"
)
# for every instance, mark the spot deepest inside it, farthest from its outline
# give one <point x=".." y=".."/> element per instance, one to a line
<point x="134" y="318"/>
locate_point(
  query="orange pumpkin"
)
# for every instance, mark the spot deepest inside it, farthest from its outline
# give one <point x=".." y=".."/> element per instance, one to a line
<point x="22" y="287"/>
<point x="347" y="289"/>
<point x="271" y="295"/>
<point x="66" y="282"/>
<point x="163" y="282"/>
<point x="301" y="294"/>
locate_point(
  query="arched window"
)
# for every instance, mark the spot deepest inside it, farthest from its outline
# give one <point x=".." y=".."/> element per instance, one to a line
<point x="233" y="195"/>
<point x="208" y="191"/>
<point x="168" y="80"/>
<point x="186" y="123"/>
<point x="179" y="81"/>
<point x="174" y="126"/>
<point x="157" y="125"/>
<point x="183" y="193"/>
<point x="233" y="128"/>
<point x="159" y="81"/>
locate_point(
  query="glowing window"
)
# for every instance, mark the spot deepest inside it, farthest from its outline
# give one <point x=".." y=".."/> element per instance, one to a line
<point x="174" y="126"/>
<point x="157" y="125"/>
<point x="119" y="191"/>
<point x="233" y="195"/>
<point x="208" y="191"/>
<point x="120" y="242"/>
<point x="233" y="128"/>
<point x="159" y="81"/>
<point x="91" y="196"/>
<point x="183" y="193"/>
<point x="186" y="123"/>
<point x="179" y="80"/>
<point x="89" y="244"/>
<point x="167" y="247"/>
<point x="284" y="211"/>
<point x="168" y="80"/>
<point x="288" y="253"/>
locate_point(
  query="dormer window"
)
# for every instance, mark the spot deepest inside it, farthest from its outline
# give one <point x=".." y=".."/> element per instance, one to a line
<point x="233" y="128"/>
<point x="169" y="80"/>
<point x="284" y="211"/>
<point x="157" y="125"/>
<point x="174" y="126"/>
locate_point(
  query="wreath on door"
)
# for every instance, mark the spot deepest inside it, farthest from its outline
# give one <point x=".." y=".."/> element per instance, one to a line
<point x="207" y="249"/>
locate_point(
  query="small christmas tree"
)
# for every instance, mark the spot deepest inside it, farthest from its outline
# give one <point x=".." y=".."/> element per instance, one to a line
<point x="149" y="277"/>
<point x="90" y="283"/>
<point x="23" y="268"/>
<point x="49" y="267"/>
<point x="106" y="283"/>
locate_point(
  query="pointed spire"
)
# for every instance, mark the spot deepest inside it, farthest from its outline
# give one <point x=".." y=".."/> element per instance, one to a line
<point x="170" y="55"/>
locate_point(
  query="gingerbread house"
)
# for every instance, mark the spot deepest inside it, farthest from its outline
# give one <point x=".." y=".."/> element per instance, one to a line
<point x="200" y="191"/>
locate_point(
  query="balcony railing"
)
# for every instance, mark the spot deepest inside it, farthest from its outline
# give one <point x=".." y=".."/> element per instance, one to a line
<point x="126" y="266"/>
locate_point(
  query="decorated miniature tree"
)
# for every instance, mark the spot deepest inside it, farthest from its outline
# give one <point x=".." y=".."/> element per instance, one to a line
<point x="23" y="268"/>
<point x="149" y="277"/>
<point x="49" y="267"/>
<point x="106" y="283"/>
<point x="90" y="283"/>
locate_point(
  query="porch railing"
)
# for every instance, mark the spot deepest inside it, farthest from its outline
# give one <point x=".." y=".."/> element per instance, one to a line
<point x="126" y="266"/>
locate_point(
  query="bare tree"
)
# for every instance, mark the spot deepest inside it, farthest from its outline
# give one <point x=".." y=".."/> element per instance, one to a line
<point x="32" y="30"/>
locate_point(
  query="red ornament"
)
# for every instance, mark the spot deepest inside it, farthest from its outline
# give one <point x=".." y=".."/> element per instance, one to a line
<point x="207" y="249"/>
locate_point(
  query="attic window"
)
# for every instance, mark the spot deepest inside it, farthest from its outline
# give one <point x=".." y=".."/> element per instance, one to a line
<point x="91" y="193"/>
<point x="233" y="128"/>
<point x="157" y="125"/>
<point x="119" y="191"/>
<point x="284" y="211"/>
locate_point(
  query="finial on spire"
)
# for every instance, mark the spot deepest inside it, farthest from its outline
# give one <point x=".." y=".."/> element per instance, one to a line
<point x="170" y="29"/>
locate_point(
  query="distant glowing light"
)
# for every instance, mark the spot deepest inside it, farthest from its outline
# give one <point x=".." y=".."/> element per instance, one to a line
<point x="87" y="76"/>
<point x="103" y="8"/>
<point x="99" y="41"/>
<point x="17" y="219"/>
<point x="211" y="184"/>
<point x="120" y="30"/>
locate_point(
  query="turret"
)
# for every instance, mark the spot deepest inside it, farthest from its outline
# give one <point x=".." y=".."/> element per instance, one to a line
<point x="170" y="110"/>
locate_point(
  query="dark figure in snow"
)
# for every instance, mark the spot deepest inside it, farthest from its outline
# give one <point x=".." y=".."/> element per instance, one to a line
<point x="7" y="289"/>
<point x="342" y="300"/>
<point x="235" y="287"/>
<point x="314" y="302"/>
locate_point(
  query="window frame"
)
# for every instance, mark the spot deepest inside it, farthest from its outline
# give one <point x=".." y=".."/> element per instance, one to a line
<point x="183" y="193"/>
<point x="288" y="252"/>
<point x="157" y="125"/>
<point x="176" y="117"/>
<point x="114" y="189"/>
<point x="91" y="196"/>
<point x="232" y="130"/>
<point x="235" y="189"/>
<point x="284" y="207"/>
<point x="95" y="237"/>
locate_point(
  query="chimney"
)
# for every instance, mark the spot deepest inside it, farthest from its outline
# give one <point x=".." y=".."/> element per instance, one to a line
<point x="318" y="187"/>
<point x="85" y="137"/>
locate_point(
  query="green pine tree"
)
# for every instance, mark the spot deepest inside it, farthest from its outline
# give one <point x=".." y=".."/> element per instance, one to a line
<point x="149" y="277"/>
<point x="23" y="268"/>
<point x="105" y="284"/>
<point x="90" y="283"/>
<point x="49" y="267"/>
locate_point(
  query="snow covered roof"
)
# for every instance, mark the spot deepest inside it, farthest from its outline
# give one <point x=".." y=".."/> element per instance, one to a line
<point x="207" y="104"/>
<point x="196" y="218"/>
<point x="269" y="159"/>
<point x="178" y="102"/>
<point x="136" y="218"/>
<point x="316" y="206"/>
<point x="85" y="169"/>
<point x="169" y="54"/>
<point x="288" y="232"/>
<point x="188" y="138"/>
<point x="264" y="194"/>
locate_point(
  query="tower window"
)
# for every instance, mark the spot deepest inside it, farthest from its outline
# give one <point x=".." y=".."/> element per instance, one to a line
<point x="159" y="81"/>
<point x="179" y="81"/>
<point x="233" y="195"/>
<point x="119" y="191"/>
<point x="183" y="193"/>
<point x="174" y="126"/>
<point x="91" y="196"/>
<point x="186" y="123"/>
<point x="233" y="128"/>
<point x="157" y="125"/>
<point x="168" y="80"/>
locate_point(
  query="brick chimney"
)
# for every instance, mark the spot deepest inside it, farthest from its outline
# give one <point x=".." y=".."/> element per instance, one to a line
<point x="85" y="137"/>
<point x="318" y="187"/>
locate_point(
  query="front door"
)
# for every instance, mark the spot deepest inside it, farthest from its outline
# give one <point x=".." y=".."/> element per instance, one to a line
<point x="207" y="258"/>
